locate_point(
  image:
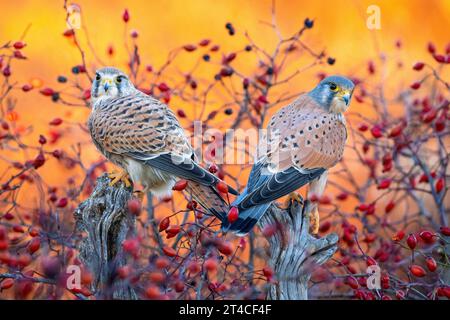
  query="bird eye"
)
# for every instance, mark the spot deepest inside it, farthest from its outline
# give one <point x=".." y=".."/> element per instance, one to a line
<point x="119" y="79"/>
<point x="333" y="86"/>
<point x="97" y="77"/>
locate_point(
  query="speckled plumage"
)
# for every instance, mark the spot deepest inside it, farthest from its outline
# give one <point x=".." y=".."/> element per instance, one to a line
<point x="304" y="140"/>
<point x="143" y="136"/>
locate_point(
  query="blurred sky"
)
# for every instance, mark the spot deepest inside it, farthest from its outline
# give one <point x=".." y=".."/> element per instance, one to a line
<point x="340" y="28"/>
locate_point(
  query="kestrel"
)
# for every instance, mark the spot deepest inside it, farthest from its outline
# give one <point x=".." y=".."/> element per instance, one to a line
<point x="143" y="137"/>
<point x="306" y="138"/>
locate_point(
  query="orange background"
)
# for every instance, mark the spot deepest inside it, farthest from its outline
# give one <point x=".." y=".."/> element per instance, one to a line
<point x="340" y="28"/>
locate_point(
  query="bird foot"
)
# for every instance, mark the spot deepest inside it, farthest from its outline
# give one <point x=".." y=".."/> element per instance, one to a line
<point x="117" y="176"/>
<point x="293" y="197"/>
<point x="314" y="221"/>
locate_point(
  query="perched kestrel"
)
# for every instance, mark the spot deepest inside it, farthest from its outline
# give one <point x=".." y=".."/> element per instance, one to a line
<point x="306" y="138"/>
<point x="143" y="137"/>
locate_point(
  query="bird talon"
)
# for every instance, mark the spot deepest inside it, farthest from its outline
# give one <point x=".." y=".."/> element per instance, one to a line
<point x="117" y="176"/>
<point x="294" y="196"/>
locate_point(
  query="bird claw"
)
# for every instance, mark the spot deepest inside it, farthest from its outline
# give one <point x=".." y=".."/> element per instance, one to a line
<point x="117" y="176"/>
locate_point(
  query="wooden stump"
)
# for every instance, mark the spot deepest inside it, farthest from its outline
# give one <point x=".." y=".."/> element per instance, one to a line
<point x="293" y="251"/>
<point x="105" y="223"/>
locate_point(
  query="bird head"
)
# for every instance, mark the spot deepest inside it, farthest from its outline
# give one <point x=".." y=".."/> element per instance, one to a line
<point x="333" y="93"/>
<point x="110" y="82"/>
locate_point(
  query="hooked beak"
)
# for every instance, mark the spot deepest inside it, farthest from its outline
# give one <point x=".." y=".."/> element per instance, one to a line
<point x="346" y="95"/>
<point x="106" y="83"/>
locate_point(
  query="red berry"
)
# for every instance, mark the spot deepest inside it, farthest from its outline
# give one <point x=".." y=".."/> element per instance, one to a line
<point x="34" y="245"/>
<point x="396" y="131"/>
<point x="384" y="184"/>
<point x="268" y="272"/>
<point x="157" y="277"/>
<point x="427" y="236"/>
<point x="415" y="85"/>
<point x="439" y="186"/>
<point x="153" y="292"/>
<point x="225" y="247"/>
<point x="399" y="294"/>
<point x="389" y="207"/>
<point x="168" y="251"/>
<point x="42" y="139"/>
<point x="39" y="161"/>
<point x="377" y="132"/>
<point x="126" y="16"/>
<point x="131" y="245"/>
<point x="213" y="168"/>
<point x="352" y="282"/>
<point x="189" y="47"/>
<point x="204" y="42"/>
<point x="179" y="286"/>
<point x="164" y="224"/>
<point x="134" y="207"/>
<point x="173" y="230"/>
<point x="418" y="66"/>
<point x="431" y="264"/>
<point x="6" y="284"/>
<point x="180" y="185"/>
<point x="181" y="113"/>
<point x="222" y="187"/>
<point x="431" y="48"/>
<point x="363" y="127"/>
<point x="124" y="272"/>
<point x="211" y="264"/>
<point x="162" y="263"/>
<point x="324" y="227"/>
<point x="445" y="231"/>
<point x="439" y="58"/>
<point x="193" y="267"/>
<point x="56" y="122"/>
<point x="399" y="236"/>
<point x="19" y="45"/>
<point x="429" y="116"/>
<point x="27" y="87"/>
<point x="62" y="203"/>
<point x="163" y="87"/>
<point x="233" y="214"/>
<point x="47" y="92"/>
<point x="417" y="271"/>
<point x="411" y="241"/>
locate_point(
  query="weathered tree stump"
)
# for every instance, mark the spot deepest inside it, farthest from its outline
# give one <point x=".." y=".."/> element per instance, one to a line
<point x="293" y="251"/>
<point x="105" y="223"/>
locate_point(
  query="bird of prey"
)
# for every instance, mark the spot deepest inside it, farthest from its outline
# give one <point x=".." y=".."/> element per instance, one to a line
<point x="305" y="139"/>
<point x="143" y="137"/>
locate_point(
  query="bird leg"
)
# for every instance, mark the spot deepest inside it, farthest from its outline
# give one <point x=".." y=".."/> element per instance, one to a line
<point x="314" y="220"/>
<point x="317" y="188"/>
<point x="117" y="176"/>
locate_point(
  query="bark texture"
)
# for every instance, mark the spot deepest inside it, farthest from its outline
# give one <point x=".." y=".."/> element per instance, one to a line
<point x="104" y="222"/>
<point x="293" y="251"/>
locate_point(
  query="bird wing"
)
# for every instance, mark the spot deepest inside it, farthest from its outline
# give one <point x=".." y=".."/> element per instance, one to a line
<point x="144" y="129"/>
<point x="303" y="141"/>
